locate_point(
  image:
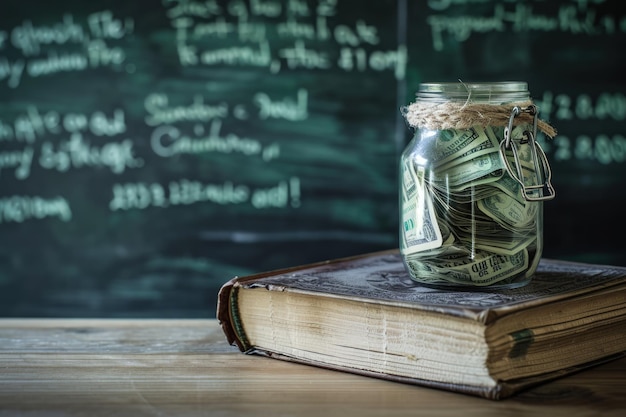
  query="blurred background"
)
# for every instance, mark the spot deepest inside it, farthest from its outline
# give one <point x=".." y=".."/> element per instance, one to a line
<point x="151" y="151"/>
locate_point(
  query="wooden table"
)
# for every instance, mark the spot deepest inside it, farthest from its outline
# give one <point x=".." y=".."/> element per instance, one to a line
<point x="56" y="367"/>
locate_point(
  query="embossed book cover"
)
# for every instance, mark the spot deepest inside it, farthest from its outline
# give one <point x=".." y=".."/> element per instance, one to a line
<point x="363" y="314"/>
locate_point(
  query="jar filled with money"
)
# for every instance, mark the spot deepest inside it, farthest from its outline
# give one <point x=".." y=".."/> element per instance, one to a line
<point x="472" y="184"/>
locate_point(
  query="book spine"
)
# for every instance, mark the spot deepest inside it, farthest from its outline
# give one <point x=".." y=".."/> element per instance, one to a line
<point x="228" y="315"/>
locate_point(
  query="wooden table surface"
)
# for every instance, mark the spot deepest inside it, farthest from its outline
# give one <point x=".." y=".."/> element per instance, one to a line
<point x="73" y="367"/>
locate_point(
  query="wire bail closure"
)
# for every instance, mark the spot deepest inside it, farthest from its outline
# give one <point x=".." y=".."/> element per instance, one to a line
<point x="536" y="187"/>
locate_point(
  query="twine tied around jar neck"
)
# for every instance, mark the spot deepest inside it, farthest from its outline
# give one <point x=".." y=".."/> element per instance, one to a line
<point x="463" y="115"/>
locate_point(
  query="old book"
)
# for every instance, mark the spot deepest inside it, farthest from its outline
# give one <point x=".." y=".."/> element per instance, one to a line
<point x="364" y="315"/>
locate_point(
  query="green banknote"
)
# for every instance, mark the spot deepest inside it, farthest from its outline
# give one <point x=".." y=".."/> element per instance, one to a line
<point x="453" y="144"/>
<point x="480" y="170"/>
<point x="484" y="142"/>
<point x="484" y="269"/>
<point x="510" y="213"/>
<point x="420" y="230"/>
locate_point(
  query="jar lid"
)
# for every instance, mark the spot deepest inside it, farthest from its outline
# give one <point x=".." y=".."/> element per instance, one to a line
<point x="491" y="92"/>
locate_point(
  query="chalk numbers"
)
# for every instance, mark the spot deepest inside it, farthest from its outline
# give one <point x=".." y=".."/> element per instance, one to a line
<point x="137" y="196"/>
<point x="600" y="148"/>
<point x="611" y="106"/>
<point x="604" y="149"/>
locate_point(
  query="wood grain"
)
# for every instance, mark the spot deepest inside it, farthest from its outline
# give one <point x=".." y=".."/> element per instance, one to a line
<point x="186" y="368"/>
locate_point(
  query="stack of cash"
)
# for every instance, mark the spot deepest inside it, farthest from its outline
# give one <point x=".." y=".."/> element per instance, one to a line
<point x="465" y="221"/>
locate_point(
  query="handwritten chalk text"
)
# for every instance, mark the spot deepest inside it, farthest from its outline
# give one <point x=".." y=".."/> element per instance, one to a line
<point x="19" y="208"/>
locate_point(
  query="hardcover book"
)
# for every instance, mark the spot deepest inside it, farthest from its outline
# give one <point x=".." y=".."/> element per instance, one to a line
<point x="363" y="314"/>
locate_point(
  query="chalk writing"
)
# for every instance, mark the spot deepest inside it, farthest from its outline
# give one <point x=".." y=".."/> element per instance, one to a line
<point x="192" y="8"/>
<point x="601" y="148"/>
<point x="19" y="160"/>
<point x="562" y="106"/>
<point x="73" y="152"/>
<point x="141" y="195"/>
<point x="272" y="197"/>
<point x="179" y="124"/>
<point x="32" y="124"/>
<point x="285" y="108"/>
<point x="575" y="19"/>
<point x="11" y="71"/>
<point x="105" y="25"/>
<point x="168" y="141"/>
<point x="297" y="30"/>
<point x="257" y="56"/>
<point x="77" y="152"/>
<point x="29" y="38"/>
<point x="39" y="46"/>
<point x="54" y="63"/>
<point x="359" y="59"/>
<point x="19" y="208"/>
<point x="159" y="110"/>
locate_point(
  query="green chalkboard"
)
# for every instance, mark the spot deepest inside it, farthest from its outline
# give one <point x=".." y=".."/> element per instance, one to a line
<point x="152" y="151"/>
<point x="149" y="151"/>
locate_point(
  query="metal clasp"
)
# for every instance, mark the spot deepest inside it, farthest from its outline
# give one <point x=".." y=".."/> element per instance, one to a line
<point x="537" y="187"/>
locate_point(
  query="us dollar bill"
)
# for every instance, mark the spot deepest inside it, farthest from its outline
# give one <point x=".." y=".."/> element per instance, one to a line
<point x="503" y="246"/>
<point x="535" y="257"/>
<point x="510" y="187"/>
<point x="462" y="145"/>
<point x="510" y="213"/>
<point x="484" y="142"/>
<point x="409" y="186"/>
<point x="420" y="230"/>
<point x="485" y="269"/>
<point x="480" y="170"/>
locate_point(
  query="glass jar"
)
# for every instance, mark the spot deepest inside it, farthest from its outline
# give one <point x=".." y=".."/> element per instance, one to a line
<point x="472" y="183"/>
